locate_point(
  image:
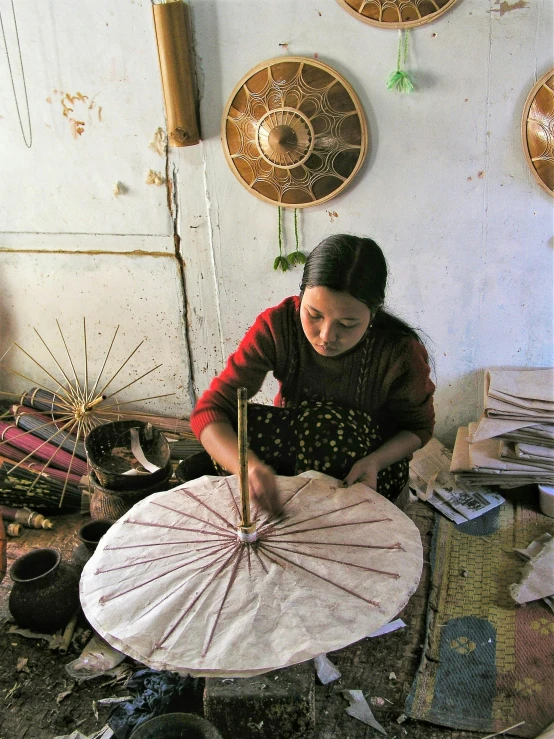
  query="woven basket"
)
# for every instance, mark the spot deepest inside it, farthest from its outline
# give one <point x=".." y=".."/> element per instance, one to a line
<point x="109" y="467"/>
<point x="195" y="466"/>
<point x="112" y="504"/>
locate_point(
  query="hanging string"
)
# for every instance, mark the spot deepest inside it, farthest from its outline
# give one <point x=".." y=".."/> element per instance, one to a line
<point x="400" y="80"/>
<point x="296" y="257"/>
<point x="280" y="261"/>
<point x="29" y="143"/>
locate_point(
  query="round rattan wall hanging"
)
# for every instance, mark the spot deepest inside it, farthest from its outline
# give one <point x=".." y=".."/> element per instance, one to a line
<point x="294" y="132"/>
<point x="396" y="13"/>
<point x="537" y="131"/>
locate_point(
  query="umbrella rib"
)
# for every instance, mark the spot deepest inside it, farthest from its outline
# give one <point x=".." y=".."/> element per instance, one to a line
<point x="77" y="387"/>
<point x="72" y="458"/>
<point x="233" y="498"/>
<point x="276" y="527"/>
<point x="85" y="389"/>
<point x="106" y="598"/>
<point x="103" y="365"/>
<point x="58" y="364"/>
<point x="158" y="559"/>
<point x="117" y="404"/>
<point x="345" y="544"/>
<point x="298" y="491"/>
<point x="133" y="382"/>
<point x="121" y="367"/>
<point x="179" y="528"/>
<point x="38" y="384"/>
<point x="50" y="375"/>
<point x="266" y="523"/>
<point x="220" y="569"/>
<point x="330" y="526"/>
<point x="232" y="576"/>
<point x="260" y="560"/>
<point x="190" y="515"/>
<point x="209" y="508"/>
<point x="159" y="544"/>
<point x="337" y="561"/>
<point x="181" y="585"/>
<point x="249" y="560"/>
<point x="311" y="572"/>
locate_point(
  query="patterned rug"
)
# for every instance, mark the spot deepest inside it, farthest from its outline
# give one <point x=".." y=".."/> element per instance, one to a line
<point x="489" y="663"/>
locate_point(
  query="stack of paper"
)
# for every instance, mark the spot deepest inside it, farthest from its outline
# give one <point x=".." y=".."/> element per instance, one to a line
<point x="513" y="442"/>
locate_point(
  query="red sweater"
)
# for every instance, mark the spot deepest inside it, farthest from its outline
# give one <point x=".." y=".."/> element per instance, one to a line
<point x="388" y="377"/>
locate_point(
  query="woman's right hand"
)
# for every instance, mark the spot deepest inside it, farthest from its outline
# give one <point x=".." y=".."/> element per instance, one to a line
<point x="263" y="487"/>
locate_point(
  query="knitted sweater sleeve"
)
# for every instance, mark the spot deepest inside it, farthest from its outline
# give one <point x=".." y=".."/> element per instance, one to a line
<point x="409" y="395"/>
<point x="246" y="367"/>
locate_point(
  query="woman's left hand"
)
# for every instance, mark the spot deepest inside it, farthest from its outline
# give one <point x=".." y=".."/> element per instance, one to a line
<point x="365" y="470"/>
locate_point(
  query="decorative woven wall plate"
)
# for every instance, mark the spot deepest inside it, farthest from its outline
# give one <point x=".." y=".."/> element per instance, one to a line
<point x="537" y="131"/>
<point x="294" y="132"/>
<point x="396" y="13"/>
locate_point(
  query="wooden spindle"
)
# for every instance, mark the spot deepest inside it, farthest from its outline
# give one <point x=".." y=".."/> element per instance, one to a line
<point x="246" y="526"/>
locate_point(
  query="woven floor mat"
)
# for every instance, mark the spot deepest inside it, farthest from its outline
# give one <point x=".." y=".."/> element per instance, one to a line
<point x="488" y="662"/>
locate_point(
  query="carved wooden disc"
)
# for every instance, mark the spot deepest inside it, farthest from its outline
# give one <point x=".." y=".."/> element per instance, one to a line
<point x="537" y="131"/>
<point x="294" y="132"/>
<point x="396" y="13"/>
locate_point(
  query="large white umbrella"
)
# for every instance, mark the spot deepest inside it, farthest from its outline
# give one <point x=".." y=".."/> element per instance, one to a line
<point x="176" y="584"/>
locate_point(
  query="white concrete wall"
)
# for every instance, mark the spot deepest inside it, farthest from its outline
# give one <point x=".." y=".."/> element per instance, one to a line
<point x="445" y="189"/>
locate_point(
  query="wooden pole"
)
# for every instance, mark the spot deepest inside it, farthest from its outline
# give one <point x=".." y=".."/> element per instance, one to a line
<point x="246" y="525"/>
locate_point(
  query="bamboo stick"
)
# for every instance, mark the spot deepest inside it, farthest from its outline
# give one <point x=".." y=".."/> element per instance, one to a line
<point x="247" y="528"/>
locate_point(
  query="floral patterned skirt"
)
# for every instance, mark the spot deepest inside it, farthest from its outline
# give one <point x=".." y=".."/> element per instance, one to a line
<point x="320" y="436"/>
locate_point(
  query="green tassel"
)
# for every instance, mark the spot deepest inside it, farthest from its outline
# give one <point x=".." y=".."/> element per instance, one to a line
<point x="400" y="80"/>
<point x="283" y="262"/>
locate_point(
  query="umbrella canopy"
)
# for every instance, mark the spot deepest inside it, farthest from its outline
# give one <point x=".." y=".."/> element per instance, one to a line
<point x="172" y="584"/>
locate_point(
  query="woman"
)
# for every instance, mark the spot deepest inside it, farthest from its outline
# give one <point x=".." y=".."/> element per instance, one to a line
<point x="355" y="397"/>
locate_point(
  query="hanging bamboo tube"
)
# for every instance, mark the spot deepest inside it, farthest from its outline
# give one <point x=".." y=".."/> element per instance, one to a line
<point x="247" y="529"/>
<point x="175" y="54"/>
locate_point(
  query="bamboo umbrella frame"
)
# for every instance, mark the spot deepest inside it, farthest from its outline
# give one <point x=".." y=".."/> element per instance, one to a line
<point x="78" y="405"/>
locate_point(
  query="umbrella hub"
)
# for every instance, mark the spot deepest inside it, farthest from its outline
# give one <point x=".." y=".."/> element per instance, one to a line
<point x="247" y="534"/>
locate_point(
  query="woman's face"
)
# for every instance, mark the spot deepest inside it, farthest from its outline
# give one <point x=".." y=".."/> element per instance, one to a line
<point x="333" y="322"/>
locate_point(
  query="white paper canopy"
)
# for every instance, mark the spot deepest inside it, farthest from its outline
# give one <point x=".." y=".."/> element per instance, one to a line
<point x="172" y="586"/>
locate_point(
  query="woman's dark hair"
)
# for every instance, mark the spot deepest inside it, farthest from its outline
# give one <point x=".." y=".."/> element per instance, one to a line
<point x="357" y="266"/>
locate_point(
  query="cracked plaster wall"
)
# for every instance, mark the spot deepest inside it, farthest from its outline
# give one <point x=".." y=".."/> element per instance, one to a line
<point x="445" y="188"/>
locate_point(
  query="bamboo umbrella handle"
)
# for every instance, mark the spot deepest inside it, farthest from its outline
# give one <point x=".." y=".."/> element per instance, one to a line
<point x="246" y="525"/>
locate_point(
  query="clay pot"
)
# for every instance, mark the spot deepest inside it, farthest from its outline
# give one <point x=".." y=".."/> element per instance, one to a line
<point x="89" y="535"/>
<point x="176" y="726"/>
<point x="45" y="592"/>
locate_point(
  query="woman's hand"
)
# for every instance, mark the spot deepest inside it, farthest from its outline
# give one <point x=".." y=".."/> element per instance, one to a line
<point x="263" y="487"/>
<point x="365" y="471"/>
